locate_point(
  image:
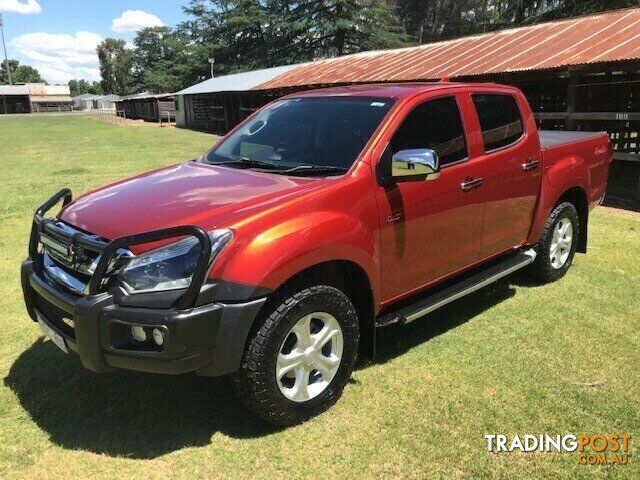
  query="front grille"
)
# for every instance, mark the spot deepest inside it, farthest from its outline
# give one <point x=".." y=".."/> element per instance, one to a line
<point x="67" y="260"/>
<point x="55" y="316"/>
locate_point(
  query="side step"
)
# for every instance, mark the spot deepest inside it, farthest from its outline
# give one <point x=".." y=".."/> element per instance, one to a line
<point x="459" y="290"/>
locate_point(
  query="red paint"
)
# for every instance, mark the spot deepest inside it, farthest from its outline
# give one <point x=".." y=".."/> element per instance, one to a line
<point x="285" y="224"/>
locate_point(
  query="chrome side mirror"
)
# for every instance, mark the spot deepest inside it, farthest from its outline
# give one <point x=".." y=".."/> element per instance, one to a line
<point x="419" y="164"/>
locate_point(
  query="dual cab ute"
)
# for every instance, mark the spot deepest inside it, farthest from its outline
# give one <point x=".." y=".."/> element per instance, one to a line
<point x="276" y="255"/>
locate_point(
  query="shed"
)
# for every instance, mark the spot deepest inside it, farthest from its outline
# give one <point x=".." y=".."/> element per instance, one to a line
<point x="105" y="102"/>
<point x="14" y="99"/>
<point x="147" y="106"/>
<point x="49" y="98"/>
<point x="581" y="73"/>
<point x="34" y="97"/>
<point x="83" y="101"/>
<point x="218" y="104"/>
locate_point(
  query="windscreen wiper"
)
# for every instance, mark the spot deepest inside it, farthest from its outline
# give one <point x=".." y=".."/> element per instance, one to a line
<point x="314" y="169"/>
<point x="249" y="162"/>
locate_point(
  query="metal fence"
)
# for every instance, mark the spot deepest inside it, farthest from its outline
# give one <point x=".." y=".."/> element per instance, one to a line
<point x="111" y="116"/>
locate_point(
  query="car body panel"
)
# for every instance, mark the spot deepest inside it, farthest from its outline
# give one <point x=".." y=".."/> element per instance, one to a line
<point x="285" y="224"/>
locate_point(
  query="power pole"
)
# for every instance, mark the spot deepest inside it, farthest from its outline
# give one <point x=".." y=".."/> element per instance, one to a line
<point x="6" y="59"/>
<point x="211" y="62"/>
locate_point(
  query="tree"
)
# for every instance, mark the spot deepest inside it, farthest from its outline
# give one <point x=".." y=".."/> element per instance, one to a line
<point x="13" y="65"/>
<point x="160" y="60"/>
<point x="244" y="35"/>
<point x="116" y="62"/>
<point x="432" y="20"/>
<point x="348" y="26"/>
<point x="78" y="87"/>
<point x="19" y="73"/>
<point x="26" y="74"/>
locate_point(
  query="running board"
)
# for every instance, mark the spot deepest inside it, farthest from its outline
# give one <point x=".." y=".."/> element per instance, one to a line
<point x="468" y="285"/>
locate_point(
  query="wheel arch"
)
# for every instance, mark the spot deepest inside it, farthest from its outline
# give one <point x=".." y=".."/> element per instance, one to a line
<point x="578" y="198"/>
<point x="550" y="198"/>
<point x="345" y="275"/>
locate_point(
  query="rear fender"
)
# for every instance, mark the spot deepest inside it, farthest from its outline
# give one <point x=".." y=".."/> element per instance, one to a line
<point x="559" y="177"/>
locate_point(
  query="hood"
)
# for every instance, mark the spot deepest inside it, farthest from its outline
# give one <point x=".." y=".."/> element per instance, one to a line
<point x="192" y="193"/>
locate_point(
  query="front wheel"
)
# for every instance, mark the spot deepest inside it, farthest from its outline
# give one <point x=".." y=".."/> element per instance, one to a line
<point x="301" y="357"/>
<point x="557" y="244"/>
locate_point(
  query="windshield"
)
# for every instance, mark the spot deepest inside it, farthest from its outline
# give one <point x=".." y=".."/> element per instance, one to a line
<point x="304" y="134"/>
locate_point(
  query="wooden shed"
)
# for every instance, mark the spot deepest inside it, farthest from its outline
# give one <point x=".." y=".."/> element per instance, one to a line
<point x="148" y="106"/>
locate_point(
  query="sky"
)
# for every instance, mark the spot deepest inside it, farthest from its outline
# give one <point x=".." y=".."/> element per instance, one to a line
<point x="59" y="37"/>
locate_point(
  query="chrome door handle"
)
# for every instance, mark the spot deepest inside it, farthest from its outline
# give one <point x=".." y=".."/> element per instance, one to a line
<point x="394" y="218"/>
<point x="470" y="184"/>
<point x="530" y="164"/>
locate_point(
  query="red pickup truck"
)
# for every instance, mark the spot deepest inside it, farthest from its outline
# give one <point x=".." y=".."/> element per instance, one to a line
<point x="326" y="214"/>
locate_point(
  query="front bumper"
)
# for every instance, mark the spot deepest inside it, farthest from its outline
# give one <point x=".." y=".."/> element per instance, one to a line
<point x="207" y="339"/>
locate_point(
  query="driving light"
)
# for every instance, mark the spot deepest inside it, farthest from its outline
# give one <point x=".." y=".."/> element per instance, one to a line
<point x="138" y="333"/>
<point x="170" y="267"/>
<point x="158" y="336"/>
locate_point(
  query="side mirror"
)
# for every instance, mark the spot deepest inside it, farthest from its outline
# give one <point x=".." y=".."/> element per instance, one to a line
<point x="411" y="165"/>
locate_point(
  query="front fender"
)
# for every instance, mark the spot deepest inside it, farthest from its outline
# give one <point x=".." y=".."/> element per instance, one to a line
<point x="280" y="251"/>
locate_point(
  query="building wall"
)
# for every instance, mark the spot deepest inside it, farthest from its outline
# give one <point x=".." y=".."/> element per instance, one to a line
<point x="180" y="112"/>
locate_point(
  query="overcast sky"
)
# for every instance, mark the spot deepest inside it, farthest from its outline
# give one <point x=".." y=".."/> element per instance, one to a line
<point x="59" y="37"/>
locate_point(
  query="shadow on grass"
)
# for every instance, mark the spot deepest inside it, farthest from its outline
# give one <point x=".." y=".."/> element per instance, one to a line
<point x="125" y="413"/>
<point x="138" y="415"/>
<point x="394" y="341"/>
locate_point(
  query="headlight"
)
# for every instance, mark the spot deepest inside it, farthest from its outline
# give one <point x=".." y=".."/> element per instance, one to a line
<point x="170" y="267"/>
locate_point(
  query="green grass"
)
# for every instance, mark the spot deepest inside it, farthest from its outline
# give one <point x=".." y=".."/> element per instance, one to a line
<point x="513" y="357"/>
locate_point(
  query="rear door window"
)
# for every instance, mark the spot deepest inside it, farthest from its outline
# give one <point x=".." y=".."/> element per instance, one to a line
<point x="500" y="120"/>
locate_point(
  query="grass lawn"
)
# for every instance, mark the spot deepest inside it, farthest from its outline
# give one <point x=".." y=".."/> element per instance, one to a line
<point x="512" y="358"/>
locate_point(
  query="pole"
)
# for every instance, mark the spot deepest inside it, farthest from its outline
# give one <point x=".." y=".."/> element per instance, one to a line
<point x="6" y="58"/>
<point x="211" y="62"/>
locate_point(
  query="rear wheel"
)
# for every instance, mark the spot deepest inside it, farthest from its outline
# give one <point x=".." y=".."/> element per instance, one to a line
<point x="300" y="359"/>
<point x="557" y="244"/>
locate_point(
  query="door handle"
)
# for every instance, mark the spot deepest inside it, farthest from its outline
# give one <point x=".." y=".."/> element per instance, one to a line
<point x="530" y="164"/>
<point x="471" y="184"/>
<point x="394" y="218"/>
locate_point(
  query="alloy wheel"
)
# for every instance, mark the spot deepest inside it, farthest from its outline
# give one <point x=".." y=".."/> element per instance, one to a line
<point x="561" y="242"/>
<point x="309" y="357"/>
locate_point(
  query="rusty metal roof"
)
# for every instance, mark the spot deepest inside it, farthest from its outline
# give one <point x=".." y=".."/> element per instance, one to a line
<point x="603" y="37"/>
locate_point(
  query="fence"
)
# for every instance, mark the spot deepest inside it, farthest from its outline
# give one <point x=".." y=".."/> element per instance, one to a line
<point x="111" y="116"/>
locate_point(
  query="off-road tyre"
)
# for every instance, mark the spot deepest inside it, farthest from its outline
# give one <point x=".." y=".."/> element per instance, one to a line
<point x="255" y="382"/>
<point x="542" y="268"/>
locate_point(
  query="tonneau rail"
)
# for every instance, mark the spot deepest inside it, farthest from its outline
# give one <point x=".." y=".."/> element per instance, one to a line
<point x="553" y="138"/>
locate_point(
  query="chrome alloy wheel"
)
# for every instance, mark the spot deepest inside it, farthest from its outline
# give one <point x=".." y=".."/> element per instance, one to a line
<point x="561" y="243"/>
<point x="309" y="357"/>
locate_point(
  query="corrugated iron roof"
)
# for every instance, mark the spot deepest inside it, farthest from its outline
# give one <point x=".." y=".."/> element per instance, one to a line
<point x="603" y="37"/>
<point x="237" y="82"/>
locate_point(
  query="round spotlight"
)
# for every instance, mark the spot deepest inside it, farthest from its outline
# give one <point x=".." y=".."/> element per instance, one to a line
<point x="138" y="333"/>
<point x="158" y="336"/>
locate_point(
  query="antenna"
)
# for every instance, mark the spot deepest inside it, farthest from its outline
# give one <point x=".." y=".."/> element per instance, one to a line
<point x="444" y="80"/>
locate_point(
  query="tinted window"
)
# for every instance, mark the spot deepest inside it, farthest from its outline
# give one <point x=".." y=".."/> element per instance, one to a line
<point x="306" y="131"/>
<point x="499" y="119"/>
<point x="435" y="124"/>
